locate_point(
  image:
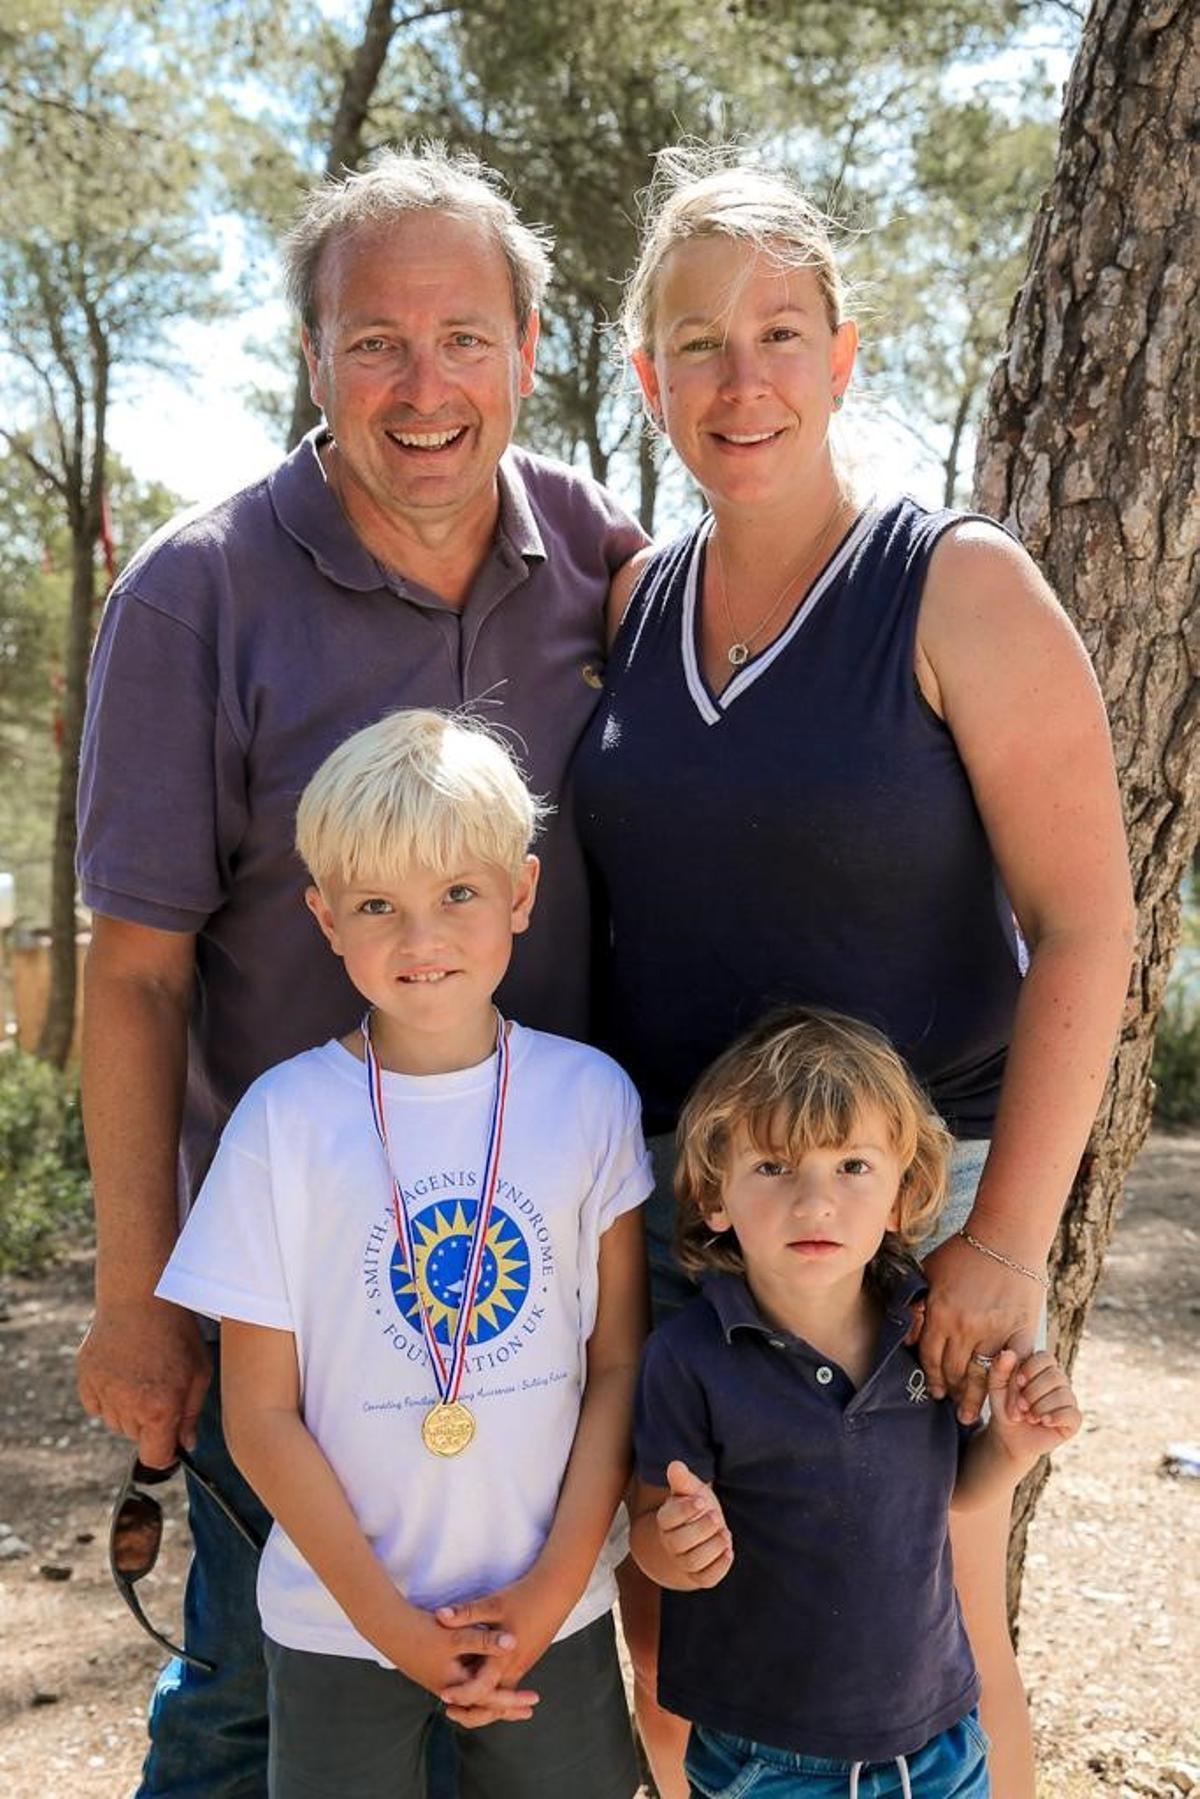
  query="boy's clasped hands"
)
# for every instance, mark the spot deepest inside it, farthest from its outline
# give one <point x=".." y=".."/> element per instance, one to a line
<point x="513" y="1627"/>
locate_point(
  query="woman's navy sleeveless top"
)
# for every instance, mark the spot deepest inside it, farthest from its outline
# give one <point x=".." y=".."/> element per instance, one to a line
<point x="810" y="835"/>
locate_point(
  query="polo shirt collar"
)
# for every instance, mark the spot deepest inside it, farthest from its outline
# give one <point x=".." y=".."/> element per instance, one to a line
<point x="734" y="1304"/>
<point x="308" y="510"/>
<point x="518" y="527"/>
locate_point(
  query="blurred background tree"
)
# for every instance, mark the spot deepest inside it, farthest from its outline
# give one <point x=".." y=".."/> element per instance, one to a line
<point x="95" y="259"/>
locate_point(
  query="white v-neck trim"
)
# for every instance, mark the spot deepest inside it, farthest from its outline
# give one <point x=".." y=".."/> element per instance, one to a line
<point x="712" y="710"/>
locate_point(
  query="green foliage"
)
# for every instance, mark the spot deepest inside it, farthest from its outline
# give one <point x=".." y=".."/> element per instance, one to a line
<point x="1176" y="1066"/>
<point x="945" y="262"/>
<point x="35" y="573"/>
<point x="44" y="1190"/>
<point x="570" y="99"/>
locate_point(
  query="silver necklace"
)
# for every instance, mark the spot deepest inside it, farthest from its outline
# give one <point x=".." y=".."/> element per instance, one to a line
<point x="738" y="652"/>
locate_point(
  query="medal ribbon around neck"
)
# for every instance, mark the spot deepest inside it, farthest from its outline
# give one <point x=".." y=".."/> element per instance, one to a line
<point x="447" y="1371"/>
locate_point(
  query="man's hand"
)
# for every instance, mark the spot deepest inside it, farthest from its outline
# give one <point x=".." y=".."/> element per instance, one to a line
<point x="144" y="1368"/>
<point x="529" y="1612"/>
<point x="692" y="1528"/>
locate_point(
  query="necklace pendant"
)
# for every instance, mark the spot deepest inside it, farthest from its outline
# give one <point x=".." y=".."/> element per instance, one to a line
<point x="739" y="653"/>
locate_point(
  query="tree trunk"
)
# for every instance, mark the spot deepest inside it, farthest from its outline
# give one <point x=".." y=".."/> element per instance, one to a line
<point x="345" y="152"/>
<point x="1089" y="451"/>
<point x="957" y="429"/>
<point x="58" y="1025"/>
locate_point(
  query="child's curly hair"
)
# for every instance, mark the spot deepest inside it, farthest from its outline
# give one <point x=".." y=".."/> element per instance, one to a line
<point x="800" y="1080"/>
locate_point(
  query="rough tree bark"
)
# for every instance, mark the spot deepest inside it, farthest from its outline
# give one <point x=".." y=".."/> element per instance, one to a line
<point x="1089" y="451"/>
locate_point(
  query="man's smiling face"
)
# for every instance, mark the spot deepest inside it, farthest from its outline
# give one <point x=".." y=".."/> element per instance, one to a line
<point x="419" y="367"/>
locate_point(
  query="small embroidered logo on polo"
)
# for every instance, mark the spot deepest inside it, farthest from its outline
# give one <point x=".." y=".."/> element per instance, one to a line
<point x="917" y="1391"/>
<point x="593" y="674"/>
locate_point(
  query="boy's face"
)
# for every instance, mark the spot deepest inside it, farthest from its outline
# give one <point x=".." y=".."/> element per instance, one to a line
<point x="811" y="1225"/>
<point x="428" y="949"/>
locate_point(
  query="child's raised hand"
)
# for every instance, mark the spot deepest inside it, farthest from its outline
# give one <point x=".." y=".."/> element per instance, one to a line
<point x="692" y="1528"/>
<point x="1033" y="1407"/>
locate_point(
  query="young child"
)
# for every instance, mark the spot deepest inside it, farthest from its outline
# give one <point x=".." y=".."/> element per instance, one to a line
<point x="424" y="1245"/>
<point x="795" y="1474"/>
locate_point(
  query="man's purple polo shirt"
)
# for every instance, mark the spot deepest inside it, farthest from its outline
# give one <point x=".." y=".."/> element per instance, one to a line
<point x="237" y="650"/>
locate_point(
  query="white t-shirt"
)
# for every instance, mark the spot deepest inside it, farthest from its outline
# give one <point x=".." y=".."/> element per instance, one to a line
<point x="294" y="1229"/>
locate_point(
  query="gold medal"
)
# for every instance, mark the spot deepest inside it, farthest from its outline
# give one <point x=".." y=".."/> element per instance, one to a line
<point x="447" y="1428"/>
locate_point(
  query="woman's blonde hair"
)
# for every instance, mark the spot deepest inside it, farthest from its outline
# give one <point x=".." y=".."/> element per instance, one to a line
<point x="419" y="787"/>
<point x="702" y="192"/>
<point x="801" y="1080"/>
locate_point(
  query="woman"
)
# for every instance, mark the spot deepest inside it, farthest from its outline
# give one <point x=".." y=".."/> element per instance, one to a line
<point x="841" y="745"/>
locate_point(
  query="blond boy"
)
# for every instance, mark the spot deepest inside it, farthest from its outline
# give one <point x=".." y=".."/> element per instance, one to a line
<point x="423" y="1242"/>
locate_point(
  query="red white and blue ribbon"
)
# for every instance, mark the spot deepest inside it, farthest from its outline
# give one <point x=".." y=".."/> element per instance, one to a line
<point x="447" y="1371"/>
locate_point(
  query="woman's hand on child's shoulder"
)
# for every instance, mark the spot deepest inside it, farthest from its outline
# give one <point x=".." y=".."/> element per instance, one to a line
<point x="1033" y="1406"/>
<point x="692" y="1528"/>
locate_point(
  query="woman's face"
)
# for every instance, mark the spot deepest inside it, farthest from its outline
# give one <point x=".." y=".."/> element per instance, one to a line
<point x="744" y="371"/>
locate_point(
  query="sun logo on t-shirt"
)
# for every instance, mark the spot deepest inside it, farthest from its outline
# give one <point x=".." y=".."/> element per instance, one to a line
<point x="442" y="1237"/>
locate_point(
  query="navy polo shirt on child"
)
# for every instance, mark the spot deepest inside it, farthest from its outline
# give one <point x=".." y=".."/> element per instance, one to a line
<point x="837" y="1630"/>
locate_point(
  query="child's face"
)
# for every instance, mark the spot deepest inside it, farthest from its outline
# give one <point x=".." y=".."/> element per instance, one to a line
<point x="428" y="950"/>
<point x="818" y="1221"/>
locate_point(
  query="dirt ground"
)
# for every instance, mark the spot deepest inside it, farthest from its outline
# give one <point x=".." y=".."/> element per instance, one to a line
<point x="1110" y="1628"/>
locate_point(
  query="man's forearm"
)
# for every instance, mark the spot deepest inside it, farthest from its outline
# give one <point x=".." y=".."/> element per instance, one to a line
<point x="134" y="1070"/>
<point x="142" y="1366"/>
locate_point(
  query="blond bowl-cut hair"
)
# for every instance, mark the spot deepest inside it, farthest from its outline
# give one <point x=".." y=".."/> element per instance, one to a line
<point x="800" y="1080"/>
<point x="424" y="788"/>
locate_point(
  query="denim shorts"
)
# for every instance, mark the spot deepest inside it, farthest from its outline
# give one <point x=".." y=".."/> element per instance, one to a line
<point x="671" y="1288"/>
<point x="952" y="1765"/>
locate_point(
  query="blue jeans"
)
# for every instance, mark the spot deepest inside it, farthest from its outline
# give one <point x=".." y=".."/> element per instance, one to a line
<point x="950" y="1766"/>
<point x="208" y="1732"/>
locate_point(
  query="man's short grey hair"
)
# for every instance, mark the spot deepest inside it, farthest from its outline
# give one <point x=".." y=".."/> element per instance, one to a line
<point x="394" y="183"/>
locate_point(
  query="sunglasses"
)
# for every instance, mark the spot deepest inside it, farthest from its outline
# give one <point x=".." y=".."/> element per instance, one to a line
<point x="135" y="1538"/>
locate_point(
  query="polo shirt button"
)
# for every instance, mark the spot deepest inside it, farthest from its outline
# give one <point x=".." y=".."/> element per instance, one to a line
<point x="824" y="1375"/>
<point x="777" y="1343"/>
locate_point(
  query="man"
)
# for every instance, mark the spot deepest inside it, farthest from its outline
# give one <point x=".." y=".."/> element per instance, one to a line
<point x="403" y="555"/>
